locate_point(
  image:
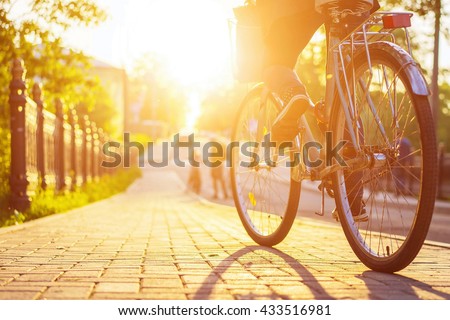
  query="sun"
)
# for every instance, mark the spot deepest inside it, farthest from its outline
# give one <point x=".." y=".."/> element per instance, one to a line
<point x="192" y="36"/>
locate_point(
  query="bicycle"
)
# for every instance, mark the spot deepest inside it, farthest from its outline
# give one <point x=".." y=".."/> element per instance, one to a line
<point x="376" y="97"/>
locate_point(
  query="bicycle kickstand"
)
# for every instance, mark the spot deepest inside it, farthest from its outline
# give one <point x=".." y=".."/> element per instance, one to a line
<point x="322" y="204"/>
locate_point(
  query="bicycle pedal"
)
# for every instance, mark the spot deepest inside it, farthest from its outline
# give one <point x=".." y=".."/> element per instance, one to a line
<point x="328" y="186"/>
<point x="335" y="214"/>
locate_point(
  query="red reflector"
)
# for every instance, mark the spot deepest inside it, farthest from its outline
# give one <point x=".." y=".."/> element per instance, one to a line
<point x="397" y="20"/>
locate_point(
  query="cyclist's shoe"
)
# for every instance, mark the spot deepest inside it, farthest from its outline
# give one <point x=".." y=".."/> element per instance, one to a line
<point x="358" y="216"/>
<point x="285" y="126"/>
<point x="359" y="212"/>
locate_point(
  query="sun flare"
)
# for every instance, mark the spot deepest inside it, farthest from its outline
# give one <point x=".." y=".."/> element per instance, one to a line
<point x="190" y="35"/>
<point x="193" y="111"/>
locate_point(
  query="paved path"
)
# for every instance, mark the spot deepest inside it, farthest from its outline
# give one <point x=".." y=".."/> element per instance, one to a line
<point x="156" y="242"/>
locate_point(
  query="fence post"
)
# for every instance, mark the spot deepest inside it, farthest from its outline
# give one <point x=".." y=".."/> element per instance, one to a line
<point x="101" y="156"/>
<point x="94" y="152"/>
<point x="84" y="151"/>
<point x="18" y="177"/>
<point x="40" y="145"/>
<point x="73" y="148"/>
<point x="59" y="146"/>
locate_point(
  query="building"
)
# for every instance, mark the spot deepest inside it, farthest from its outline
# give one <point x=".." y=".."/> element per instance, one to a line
<point x="115" y="82"/>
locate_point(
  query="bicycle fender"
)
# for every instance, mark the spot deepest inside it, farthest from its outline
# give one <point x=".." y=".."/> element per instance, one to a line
<point x="411" y="68"/>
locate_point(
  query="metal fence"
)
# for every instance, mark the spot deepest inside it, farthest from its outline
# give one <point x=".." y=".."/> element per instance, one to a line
<point x="49" y="150"/>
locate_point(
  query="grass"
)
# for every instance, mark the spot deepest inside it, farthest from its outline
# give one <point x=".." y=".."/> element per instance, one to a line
<point x="46" y="203"/>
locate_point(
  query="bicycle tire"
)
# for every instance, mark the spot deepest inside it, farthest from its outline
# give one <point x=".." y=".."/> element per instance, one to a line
<point x="388" y="199"/>
<point x="266" y="219"/>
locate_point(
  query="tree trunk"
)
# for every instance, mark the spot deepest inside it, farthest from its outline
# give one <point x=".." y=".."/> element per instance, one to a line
<point x="435" y="75"/>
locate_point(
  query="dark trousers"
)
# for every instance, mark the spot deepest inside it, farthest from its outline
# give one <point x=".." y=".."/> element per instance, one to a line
<point x="288" y="27"/>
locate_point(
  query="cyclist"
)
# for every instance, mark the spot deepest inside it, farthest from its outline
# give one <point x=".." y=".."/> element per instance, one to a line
<point x="288" y="27"/>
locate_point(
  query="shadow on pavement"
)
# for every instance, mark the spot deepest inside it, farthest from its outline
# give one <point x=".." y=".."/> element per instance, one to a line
<point x="206" y="289"/>
<point x="404" y="287"/>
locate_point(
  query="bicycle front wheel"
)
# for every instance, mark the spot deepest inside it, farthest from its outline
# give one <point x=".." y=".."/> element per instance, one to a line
<point x="397" y="190"/>
<point x="265" y="194"/>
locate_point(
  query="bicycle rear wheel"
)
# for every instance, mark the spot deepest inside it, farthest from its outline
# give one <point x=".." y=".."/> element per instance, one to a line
<point x="265" y="195"/>
<point x="398" y="193"/>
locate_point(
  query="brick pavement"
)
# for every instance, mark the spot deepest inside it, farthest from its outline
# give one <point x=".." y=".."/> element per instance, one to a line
<point x="156" y="242"/>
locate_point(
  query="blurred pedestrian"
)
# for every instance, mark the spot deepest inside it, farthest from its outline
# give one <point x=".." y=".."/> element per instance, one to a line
<point x="218" y="181"/>
<point x="217" y="169"/>
<point x="194" y="183"/>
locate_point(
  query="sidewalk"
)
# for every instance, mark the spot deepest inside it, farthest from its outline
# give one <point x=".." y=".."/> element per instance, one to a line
<point x="156" y="242"/>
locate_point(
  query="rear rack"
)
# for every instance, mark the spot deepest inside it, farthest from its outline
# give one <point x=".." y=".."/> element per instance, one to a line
<point x="380" y="27"/>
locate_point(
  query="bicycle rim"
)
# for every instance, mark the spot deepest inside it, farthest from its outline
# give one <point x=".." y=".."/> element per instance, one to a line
<point x="398" y="196"/>
<point x="265" y="196"/>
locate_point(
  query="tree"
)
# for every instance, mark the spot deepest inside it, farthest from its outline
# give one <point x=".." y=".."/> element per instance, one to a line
<point x="427" y="8"/>
<point x="35" y="37"/>
<point x="159" y="96"/>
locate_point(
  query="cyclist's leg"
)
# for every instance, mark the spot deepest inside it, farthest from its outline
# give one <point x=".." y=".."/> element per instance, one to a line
<point x="354" y="180"/>
<point x="289" y="27"/>
<point x="286" y="37"/>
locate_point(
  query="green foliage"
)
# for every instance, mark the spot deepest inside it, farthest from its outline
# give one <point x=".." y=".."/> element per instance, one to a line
<point x="159" y="96"/>
<point x="422" y="7"/>
<point x="45" y="203"/>
<point x="141" y="138"/>
<point x="34" y="37"/>
<point x="97" y="103"/>
<point x="426" y="11"/>
<point x="311" y="66"/>
<point x="220" y="108"/>
<point x="444" y="117"/>
<point x="4" y="165"/>
<point x="65" y="13"/>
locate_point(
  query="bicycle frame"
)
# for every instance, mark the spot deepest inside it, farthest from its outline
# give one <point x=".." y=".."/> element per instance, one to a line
<point x="339" y="63"/>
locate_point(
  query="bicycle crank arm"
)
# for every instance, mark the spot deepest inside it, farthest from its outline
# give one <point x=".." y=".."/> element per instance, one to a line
<point x="364" y="161"/>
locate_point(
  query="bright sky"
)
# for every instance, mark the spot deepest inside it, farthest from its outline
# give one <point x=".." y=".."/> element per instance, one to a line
<point x="192" y="35"/>
<point x="188" y="32"/>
